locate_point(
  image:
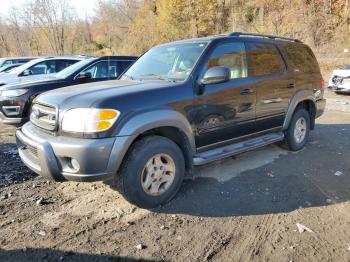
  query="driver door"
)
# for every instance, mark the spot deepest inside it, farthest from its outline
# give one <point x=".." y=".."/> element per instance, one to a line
<point x="226" y="111"/>
<point x="101" y="71"/>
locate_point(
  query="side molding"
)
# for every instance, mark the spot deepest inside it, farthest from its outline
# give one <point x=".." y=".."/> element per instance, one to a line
<point x="302" y="95"/>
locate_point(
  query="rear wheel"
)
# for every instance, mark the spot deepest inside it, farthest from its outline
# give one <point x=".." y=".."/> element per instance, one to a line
<point x="152" y="172"/>
<point x="297" y="134"/>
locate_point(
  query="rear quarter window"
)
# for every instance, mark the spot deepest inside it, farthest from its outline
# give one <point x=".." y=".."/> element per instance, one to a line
<point x="264" y="59"/>
<point x="301" y="58"/>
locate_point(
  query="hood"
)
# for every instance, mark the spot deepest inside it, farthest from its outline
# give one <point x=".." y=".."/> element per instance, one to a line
<point x="10" y="79"/>
<point x="98" y="93"/>
<point x="29" y="83"/>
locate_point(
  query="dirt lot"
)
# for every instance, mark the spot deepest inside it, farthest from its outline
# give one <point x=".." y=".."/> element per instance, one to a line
<point x="242" y="209"/>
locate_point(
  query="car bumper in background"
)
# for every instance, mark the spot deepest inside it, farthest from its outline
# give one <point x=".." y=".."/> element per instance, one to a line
<point x="320" y="107"/>
<point x="340" y="88"/>
<point x="51" y="156"/>
<point x="11" y="110"/>
<point x="9" y="120"/>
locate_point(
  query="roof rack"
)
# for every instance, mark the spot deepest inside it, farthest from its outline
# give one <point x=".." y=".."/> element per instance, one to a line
<point x="238" y="34"/>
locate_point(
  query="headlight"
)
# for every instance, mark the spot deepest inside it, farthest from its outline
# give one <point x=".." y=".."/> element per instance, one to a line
<point x="14" y="92"/>
<point x="89" y="120"/>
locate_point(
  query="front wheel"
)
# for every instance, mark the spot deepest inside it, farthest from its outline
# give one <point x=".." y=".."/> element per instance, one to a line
<point x="152" y="172"/>
<point x="297" y="134"/>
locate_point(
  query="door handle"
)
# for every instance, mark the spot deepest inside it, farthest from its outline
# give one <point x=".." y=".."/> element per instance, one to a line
<point x="246" y="91"/>
<point x="290" y="85"/>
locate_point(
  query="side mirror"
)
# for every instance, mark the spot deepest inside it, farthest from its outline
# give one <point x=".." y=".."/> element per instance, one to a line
<point x="84" y="75"/>
<point x="27" y="72"/>
<point x="215" y="75"/>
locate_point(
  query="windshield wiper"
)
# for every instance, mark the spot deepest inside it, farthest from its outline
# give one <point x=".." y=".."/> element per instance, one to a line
<point x="158" y="77"/>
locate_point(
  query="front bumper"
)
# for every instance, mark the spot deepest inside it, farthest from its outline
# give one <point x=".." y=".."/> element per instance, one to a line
<point x="12" y="110"/>
<point x="51" y="156"/>
<point x="340" y="88"/>
<point x="9" y="120"/>
<point x="320" y="107"/>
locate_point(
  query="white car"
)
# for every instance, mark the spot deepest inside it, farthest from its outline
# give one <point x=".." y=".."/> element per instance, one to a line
<point x="340" y="80"/>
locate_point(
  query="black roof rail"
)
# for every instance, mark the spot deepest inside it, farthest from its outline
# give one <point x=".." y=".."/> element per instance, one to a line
<point x="238" y="34"/>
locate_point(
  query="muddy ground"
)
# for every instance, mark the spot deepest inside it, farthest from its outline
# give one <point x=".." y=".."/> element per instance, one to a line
<point x="242" y="209"/>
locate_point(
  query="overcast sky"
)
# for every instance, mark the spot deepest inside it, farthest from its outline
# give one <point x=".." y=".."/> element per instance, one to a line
<point x="83" y="7"/>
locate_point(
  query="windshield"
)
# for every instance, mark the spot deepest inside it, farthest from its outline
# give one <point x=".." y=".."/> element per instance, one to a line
<point x="71" y="69"/>
<point x="172" y="62"/>
<point x="25" y="66"/>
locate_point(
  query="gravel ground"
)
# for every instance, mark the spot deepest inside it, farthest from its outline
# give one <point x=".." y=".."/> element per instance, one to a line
<point x="241" y="209"/>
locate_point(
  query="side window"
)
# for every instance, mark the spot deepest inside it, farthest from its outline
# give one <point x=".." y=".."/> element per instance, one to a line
<point x="123" y="65"/>
<point x="103" y="69"/>
<point x="45" y="67"/>
<point x="8" y="62"/>
<point x="62" y="64"/>
<point x="22" y="61"/>
<point x="231" y="56"/>
<point x="302" y="58"/>
<point x="264" y="59"/>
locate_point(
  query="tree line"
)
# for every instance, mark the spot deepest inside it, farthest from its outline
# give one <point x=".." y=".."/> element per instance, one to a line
<point x="51" y="27"/>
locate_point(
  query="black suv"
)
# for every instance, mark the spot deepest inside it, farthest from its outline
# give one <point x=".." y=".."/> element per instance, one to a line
<point x="16" y="99"/>
<point x="180" y="105"/>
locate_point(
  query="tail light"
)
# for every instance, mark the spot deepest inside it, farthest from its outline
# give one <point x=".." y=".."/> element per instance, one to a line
<point x="322" y="84"/>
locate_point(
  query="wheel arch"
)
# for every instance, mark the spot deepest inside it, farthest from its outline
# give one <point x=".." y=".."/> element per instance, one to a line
<point x="305" y="99"/>
<point x="163" y="122"/>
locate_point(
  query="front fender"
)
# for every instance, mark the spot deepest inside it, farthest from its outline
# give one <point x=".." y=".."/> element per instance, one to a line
<point x="142" y="122"/>
<point x="302" y="95"/>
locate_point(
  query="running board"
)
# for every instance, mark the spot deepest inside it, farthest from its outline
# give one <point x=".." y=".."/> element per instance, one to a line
<point x="234" y="149"/>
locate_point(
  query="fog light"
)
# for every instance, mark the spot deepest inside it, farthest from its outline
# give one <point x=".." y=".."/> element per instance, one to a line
<point x="75" y="164"/>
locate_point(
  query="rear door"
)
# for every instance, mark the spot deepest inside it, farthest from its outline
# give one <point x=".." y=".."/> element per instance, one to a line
<point x="272" y="82"/>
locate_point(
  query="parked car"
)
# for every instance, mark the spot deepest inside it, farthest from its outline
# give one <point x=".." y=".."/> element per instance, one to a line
<point x="38" y="69"/>
<point x="137" y="134"/>
<point x="14" y="60"/>
<point x="16" y="99"/>
<point x="339" y="81"/>
<point x="8" y="68"/>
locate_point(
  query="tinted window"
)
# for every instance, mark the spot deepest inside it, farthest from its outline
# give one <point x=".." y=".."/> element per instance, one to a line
<point x="231" y="56"/>
<point x="9" y="62"/>
<point x="62" y="64"/>
<point x="22" y="61"/>
<point x="45" y="67"/>
<point x="123" y="65"/>
<point x="103" y="69"/>
<point x="264" y="59"/>
<point x="301" y="58"/>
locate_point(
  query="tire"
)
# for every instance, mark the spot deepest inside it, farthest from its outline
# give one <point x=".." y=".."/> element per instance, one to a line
<point x="157" y="152"/>
<point x="294" y="140"/>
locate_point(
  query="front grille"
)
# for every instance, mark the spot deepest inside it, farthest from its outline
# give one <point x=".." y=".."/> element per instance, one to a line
<point x="44" y="116"/>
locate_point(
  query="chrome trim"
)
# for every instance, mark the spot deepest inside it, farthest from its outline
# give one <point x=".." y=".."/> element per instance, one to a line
<point x="7" y="108"/>
<point x="50" y="125"/>
<point x="8" y="120"/>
